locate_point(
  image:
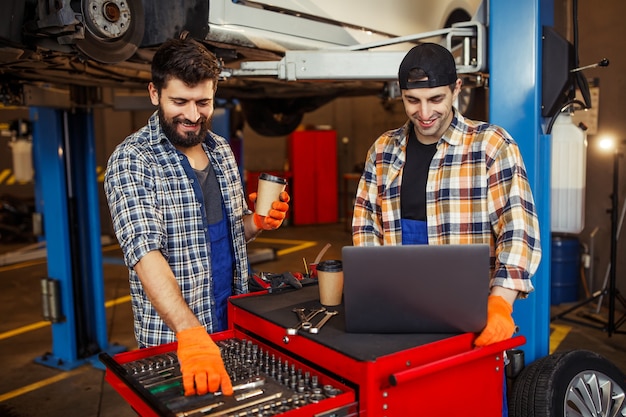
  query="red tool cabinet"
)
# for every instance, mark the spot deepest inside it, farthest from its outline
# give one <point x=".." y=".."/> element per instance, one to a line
<point x="378" y="374"/>
<point x="392" y="374"/>
<point x="313" y="163"/>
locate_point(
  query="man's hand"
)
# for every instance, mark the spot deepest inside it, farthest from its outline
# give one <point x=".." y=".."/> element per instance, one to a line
<point x="500" y="325"/>
<point x="201" y="363"/>
<point x="276" y="215"/>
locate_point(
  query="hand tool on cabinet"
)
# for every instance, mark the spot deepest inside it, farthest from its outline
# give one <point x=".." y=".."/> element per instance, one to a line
<point x="305" y="320"/>
<point x="322" y="252"/>
<point x="318" y="326"/>
<point x="306" y="268"/>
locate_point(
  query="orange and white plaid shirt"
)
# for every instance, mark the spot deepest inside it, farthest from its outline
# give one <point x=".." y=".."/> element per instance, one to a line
<point x="477" y="192"/>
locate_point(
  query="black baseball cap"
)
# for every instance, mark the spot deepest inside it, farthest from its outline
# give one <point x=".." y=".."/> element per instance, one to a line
<point x="436" y="62"/>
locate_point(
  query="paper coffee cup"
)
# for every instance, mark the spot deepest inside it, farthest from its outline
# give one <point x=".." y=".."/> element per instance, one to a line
<point x="330" y="282"/>
<point x="268" y="191"/>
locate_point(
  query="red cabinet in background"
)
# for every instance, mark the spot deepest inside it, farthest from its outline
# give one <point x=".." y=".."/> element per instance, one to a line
<point x="313" y="163"/>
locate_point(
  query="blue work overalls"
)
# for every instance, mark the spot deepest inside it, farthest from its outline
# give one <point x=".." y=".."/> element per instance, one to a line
<point x="222" y="258"/>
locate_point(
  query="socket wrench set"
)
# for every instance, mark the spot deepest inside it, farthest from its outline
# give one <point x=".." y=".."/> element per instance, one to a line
<point x="265" y="383"/>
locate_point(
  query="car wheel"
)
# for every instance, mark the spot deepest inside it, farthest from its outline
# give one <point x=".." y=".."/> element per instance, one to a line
<point x="268" y="123"/>
<point x="113" y="29"/>
<point x="575" y="383"/>
<point x="280" y="116"/>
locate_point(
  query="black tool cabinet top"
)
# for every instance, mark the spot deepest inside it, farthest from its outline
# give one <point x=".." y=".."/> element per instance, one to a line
<point x="278" y="309"/>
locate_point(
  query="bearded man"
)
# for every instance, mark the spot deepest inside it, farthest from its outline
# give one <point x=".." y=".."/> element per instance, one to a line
<point x="180" y="215"/>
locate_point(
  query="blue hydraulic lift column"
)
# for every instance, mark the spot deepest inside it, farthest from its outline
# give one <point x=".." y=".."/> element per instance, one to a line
<point x="515" y="47"/>
<point x="223" y="125"/>
<point x="67" y="195"/>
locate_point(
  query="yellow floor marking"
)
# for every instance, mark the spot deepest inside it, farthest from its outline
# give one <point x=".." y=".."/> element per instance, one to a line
<point x="557" y="334"/>
<point x="41" y="324"/>
<point x="298" y="244"/>
<point x="120" y="300"/>
<point x="24" y="329"/>
<point x="110" y="247"/>
<point x="19" y="265"/>
<point x="100" y="174"/>
<point x="40" y="384"/>
<point x="45" y="382"/>
<point x="4" y="174"/>
<point x="26" y="264"/>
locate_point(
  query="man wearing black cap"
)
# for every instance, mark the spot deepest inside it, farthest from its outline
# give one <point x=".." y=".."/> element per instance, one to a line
<point x="444" y="179"/>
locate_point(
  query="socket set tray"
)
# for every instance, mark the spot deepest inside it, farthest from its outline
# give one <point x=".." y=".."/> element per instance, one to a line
<point x="266" y="382"/>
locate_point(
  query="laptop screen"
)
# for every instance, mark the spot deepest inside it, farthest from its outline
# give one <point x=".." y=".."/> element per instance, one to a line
<point x="416" y="288"/>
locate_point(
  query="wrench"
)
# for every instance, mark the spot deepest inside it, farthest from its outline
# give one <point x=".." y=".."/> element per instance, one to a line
<point x="305" y="320"/>
<point x="300" y="312"/>
<point x="306" y="324"/>
<point x="318" y="326"/>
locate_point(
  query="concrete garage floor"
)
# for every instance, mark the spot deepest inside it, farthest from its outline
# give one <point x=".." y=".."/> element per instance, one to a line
<point x="29" y="389"/>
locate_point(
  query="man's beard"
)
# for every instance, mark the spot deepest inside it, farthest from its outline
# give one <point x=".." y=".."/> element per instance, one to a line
<point x="187" y="140"/>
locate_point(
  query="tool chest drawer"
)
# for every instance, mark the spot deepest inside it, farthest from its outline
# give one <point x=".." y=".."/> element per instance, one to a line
<point x="266" y="382"/>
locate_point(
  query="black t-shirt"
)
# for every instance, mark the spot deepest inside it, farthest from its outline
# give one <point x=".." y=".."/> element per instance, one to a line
<point x="212" y="194"/>
<point x="414" y="177"/>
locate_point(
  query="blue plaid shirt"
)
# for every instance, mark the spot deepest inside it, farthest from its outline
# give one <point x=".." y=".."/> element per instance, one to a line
<point x="156" y="203"/>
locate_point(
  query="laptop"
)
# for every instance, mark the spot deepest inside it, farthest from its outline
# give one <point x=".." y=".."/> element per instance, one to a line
<point x="415" y="288"/>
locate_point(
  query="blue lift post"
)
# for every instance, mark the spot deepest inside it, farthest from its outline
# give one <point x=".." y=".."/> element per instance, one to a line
<point x="67" y="194"/>
<point x="223" y="124"/>
<point x="515" y="47"/>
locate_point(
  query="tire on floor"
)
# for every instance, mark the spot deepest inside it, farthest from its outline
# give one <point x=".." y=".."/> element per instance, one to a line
<point x="573" y="383"/>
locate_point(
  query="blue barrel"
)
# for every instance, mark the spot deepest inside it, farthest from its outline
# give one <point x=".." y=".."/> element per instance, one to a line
<point x="565" y="270"/>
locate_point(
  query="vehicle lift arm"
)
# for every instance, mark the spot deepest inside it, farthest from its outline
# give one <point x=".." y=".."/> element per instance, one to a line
<point x="363" y="62"/>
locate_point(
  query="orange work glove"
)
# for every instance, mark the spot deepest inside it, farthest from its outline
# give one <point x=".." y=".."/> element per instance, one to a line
<point x="201" y="363"/>
<point x="276" y="215"/>
<point x="500" y="325"/>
